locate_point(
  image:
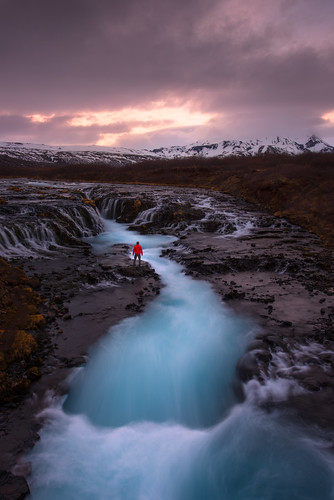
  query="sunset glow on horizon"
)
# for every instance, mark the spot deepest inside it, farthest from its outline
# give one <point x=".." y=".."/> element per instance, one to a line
<point x="175" y="116"/>
<point x="158" y="117"/>
<point x="37" y="118"/>
<point x="329" y="117"/>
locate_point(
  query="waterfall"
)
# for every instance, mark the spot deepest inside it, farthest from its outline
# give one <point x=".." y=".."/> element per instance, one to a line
<point x="18" y="240"/>
<point x="110" y="208"/>
<point x="37" y="233"/>
<point x="146" y="216"/>
<point x="82" y="221"/>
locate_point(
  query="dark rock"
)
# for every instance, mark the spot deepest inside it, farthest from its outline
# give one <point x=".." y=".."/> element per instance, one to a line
<point x="248" y="367"/>
<point x="135" y="271"/>
<point x="12" y="487"/>
<point x="315" y="379"/>
<point x="105" y="267"/>
<point x="35" y="283"/>
<point x="274" y="341"/>
<point x="313" y="407"/>
<point x="75" y="362"/>
<point x="285" y="324"/>
<point x="130" y="306"/>
<point x="234" y="295"/>
<point x="141" y="228"/>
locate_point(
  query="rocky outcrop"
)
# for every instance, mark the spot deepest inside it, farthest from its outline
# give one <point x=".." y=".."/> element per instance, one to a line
<point x="12" y="487"/>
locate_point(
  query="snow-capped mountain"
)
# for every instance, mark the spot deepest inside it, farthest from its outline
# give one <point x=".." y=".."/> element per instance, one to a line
<point x="61" y="155"/>
<point x="247" y="148"/>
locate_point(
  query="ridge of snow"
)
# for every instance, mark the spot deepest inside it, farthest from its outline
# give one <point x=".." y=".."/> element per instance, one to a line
<point x="71" y="149"/>
<point x="73" y="154"/>
<point x="121" y="156"/>
<point x="247" y="147"/>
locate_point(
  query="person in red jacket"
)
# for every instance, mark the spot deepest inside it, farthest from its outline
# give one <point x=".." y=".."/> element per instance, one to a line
<point x="137" y="252"/>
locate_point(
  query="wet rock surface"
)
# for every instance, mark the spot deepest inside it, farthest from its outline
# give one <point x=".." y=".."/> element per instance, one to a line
<point x="263" y="267"/>
<point x="12" y="487"/>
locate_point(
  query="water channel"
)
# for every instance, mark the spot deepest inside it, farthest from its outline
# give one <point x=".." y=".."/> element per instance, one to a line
<point x="154" y="413"/>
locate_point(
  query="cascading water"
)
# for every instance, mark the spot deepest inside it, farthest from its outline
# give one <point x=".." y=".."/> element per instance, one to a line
<point x="154" y="416"/>
<point x="40" y="218"/>
<point x="110" y="208"/>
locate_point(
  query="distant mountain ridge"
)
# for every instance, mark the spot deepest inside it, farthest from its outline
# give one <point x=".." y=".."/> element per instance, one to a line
<point x="62" y="155"/>
<point x="248" y="148"/>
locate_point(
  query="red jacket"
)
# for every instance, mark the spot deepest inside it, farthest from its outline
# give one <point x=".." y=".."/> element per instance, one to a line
<point x="137" y="250"/>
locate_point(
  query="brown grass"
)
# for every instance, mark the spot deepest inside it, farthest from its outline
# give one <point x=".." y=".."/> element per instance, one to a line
<point x="297" y="187"/>
<point x="18" y="317"/>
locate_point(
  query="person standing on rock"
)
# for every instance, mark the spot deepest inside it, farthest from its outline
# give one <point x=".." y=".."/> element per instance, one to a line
<point x="137" y="252"/>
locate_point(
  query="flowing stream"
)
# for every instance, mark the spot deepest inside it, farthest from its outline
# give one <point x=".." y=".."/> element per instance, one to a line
<point x="153" y="415"/>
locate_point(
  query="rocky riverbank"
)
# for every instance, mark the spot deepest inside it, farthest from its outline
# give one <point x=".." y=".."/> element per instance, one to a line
<point x="277" y="274"/>
<point x="285" y="284"/>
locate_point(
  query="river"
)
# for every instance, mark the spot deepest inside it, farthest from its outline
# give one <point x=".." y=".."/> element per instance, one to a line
<point x="154" y="414"/>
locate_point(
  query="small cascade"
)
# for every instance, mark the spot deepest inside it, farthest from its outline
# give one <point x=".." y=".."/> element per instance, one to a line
<point x="146" y="216"/>
<point x="223" y="221"/>
<point x="83" y="221"/>
<point x="17" y="240"/>
<point x="42" y="230"/>
<point x="110" y="208"/>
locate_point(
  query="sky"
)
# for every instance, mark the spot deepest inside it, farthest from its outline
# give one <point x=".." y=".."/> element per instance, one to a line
<point x="154" y="73"/>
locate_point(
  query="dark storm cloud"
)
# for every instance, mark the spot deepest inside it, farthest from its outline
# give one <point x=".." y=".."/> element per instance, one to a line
<point x="11" y="124"/>
<point x="265" y="60"/>
<point x="92" y="53"/>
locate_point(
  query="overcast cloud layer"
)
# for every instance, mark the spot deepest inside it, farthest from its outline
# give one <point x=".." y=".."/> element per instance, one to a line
<point x="149" y="73"/>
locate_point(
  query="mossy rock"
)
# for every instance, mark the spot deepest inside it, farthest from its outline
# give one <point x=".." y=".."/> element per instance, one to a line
<point x="87" y="201"/>
<point x="22" y="347"/>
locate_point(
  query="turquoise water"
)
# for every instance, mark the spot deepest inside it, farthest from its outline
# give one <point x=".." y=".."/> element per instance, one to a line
<point x="153" y="415"/>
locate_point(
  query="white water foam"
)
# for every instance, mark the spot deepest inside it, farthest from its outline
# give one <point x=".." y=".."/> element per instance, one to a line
<point x="249" y="455"/>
